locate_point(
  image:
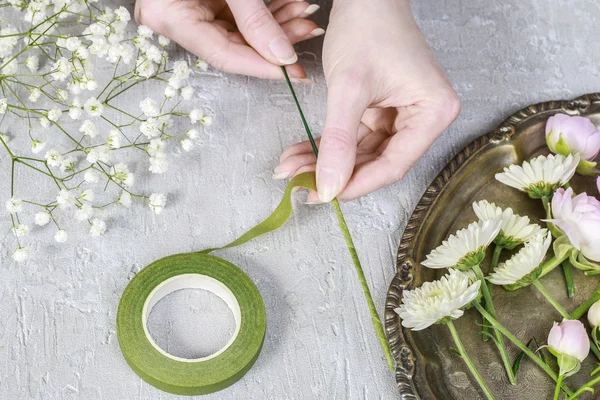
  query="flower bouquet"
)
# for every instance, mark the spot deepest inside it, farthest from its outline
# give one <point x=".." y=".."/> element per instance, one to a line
<point x="504" y="252"/>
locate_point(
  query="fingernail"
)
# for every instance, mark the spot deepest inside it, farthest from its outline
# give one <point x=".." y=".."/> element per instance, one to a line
<point x="310" y="10"/>
<point x="313" y="203"/>
<point x="280" y="175"/>
<point x="328" y="184"/>
<point x="316" y="32"/>
<point x="283" y="51"/>
<point x="301" y="80"/>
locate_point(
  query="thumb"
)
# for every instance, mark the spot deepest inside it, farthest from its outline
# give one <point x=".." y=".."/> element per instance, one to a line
<point x="347" y="101"/>
<point x="262" y="32"/>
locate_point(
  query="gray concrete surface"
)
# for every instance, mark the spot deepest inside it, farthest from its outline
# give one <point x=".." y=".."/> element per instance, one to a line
<point x="57" y="312"/>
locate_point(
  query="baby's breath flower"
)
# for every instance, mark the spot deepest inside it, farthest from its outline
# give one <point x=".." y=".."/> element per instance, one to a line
<point x="150" y="128"/>
<point x="82" y="53"/>
<point x="53" y="158"/>
<point x="196" y="115"/>
<point x="193" y="134"/>
<point x="3" y="105"/>
<point x="145" y="32"/>
<point x="437" y="301"/>
<point x="170" y="92"/>
<point x="201" y="64"/>
<point x="156" y="146"/>
<point x="206" y="120"/>
<point x="163" y="40"/>
<point x="67" y="163"/>
<point x="466" y="248"/>
<point x="32" y="63"/>
<point x="153" y="53"/>
<point x="34" y="95"/>
<point x="91" y="176"/>
<point x="87" y="195"/>
<point x="61" y="236"/>
<point x="157" y="202"/>
<point x="122" y="14"/>
<point x="72" y="43"/>
<point x="524" y="267"/>
<point x="541" y="176"/>
<point x="84" y="213"/>
<point x="187" y="92"/>
<point x="93" y="107"/>
<point x="88" y="128"/>
<point x="99" y="153"/>
<point x="20" y="255"/>
<point x="114" y="139"/>
<point x="44" y="122"/>
<point x="20" y="230"/>
<point x="41" y="218"/>
<point x="98" y="227"/>
<point x="159" y="164"/>
<point x="65" y="199"/>
<point x="187" y="144"/>
<point x="181" y="69"/>
<point x="61" y="69"/>
<point x="37" y="146"/>
<point x="120" y="174"/>
<point x="145" y="67"/>
<point x="14" y="205"/>
<point x="125" y="199"/>
<point x="149" y="107"/>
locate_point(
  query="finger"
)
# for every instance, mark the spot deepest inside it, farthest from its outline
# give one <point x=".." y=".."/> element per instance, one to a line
<point x="371" y="143"/>
<point x="297" y="9"/>
<point x="402" y="152"/>
<point x="346" y="103"/>
<point x="292" y="164"/>
<point x="262" y="32"/>
<point x="313" y="198"/>
<point x="228" y="26"/>
<point x="224" y="54"/>
<point x="277" y="4"/>
<point x="301" y="29"/>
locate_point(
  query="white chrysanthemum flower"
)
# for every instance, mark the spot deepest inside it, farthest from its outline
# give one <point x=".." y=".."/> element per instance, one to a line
<point x="159" y="164"/>
<point x="541" y="176"/>
<point x="53" y="158"/>
<point x="42" y="218"/>
<point x="157" y="202"/>
<point x="93" y="107"/>
<point x="120" y="174"/>
<point x="20" y="255"/>
<point x="466" y="248"/>
<point x="32" y="63"/>
<point x="149" y="107"/>
<point x="514" y="230"/>
<point x="187" y="144"/>
<point x="91" y="176"/>
<point x="125" y="199"/>
<point x="14" y="205"/>
<point x="65" y="199"/>
<point x="20" y="230"/>
<point x="98" y="227"/>
<point x="187" y="92"/>
<point x="37" y="146"/>
<point x="437" y="301"/>
<point x="3" y="105"/>
<point x="88" y="128"/>
<point x="84" y="213"/>
<point x="61" y="236"/>
<point x="163" y="40"/>
<point x="114" y="139"/>
<point x="196" y="115"/>
<point x="523" y="268"/>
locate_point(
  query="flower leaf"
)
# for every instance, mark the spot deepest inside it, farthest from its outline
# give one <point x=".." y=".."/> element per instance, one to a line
<point x="562" y="246"/>
<point x="517" y="362"/>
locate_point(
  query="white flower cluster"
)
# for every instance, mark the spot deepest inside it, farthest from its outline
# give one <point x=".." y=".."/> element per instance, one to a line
<point x="55" y="84"/>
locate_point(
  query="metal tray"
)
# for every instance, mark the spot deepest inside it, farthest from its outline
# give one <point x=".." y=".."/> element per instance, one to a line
<point x="426" y="368"/>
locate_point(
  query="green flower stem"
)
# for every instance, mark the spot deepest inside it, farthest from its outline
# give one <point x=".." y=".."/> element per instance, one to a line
<point x="495" y="259"/>
<point x="467" y="360"/>
<point x="558" y="384"/>
<point x="568" y="278"/>
<point x="552" y="263"/>
<point x="489" y="305"/>
<point x="498" y="326"/>
<point x="582" y="309"/>
<point x="349" y="242"/>
<point x="585" y="388"/>
<point x="551" y="300"/>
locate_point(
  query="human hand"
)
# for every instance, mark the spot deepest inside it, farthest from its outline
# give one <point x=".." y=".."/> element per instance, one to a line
<point x="388" y="101"/>
<point x="239" y="36"/>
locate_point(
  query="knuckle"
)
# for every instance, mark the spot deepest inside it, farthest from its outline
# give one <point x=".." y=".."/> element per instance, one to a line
<point x="448" y="105"/>
<point x="337" y="139"/>
<point x="258" y="19"/>
<point x="215" y="59"/>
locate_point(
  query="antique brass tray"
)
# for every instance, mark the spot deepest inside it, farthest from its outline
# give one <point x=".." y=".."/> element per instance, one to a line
<point x="426" y="368"/>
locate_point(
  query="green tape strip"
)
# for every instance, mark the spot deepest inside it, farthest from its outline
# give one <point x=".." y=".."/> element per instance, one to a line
<point x="203" y="271"/>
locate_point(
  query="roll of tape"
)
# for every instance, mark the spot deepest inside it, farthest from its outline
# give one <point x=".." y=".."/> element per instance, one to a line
<point x="191" y="376"/>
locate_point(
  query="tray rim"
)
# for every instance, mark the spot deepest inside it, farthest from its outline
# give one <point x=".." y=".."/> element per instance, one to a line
<point x="405" y="265"/>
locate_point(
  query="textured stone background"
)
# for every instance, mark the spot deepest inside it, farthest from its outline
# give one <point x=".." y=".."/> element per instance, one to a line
<point x="57" y="312"/>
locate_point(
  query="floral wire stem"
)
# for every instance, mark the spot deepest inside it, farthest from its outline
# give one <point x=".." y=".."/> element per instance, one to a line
<point x="497" y="325"/>
<point x="495" y="259"/>
<point x="538" y="285"/>
<point x="467" y="360"/>
<point x="499" y="341"/>
<point x="349" y="242"/>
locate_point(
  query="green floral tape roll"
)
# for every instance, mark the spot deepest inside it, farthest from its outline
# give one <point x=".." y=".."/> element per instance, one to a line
<point x="200" y="271"/>
<point x="191" y="376"/>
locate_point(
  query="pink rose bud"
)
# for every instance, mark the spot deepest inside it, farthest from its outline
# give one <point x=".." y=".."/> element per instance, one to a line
<point x="569" y="338"/>
<point x="579" y="218"/>
<point x="593" y="314"/>
<point x="565" y="134"/>
<point x="598" y="184"/>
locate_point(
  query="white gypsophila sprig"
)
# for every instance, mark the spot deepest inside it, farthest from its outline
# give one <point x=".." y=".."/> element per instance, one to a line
<point x="437" y="301"/>
<point x="523" y="268"/>
<point x="466" y="248"/>
<point x="514" y="229"/>
<point x="542" y="175"/>
<point x="86" y="129"/>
